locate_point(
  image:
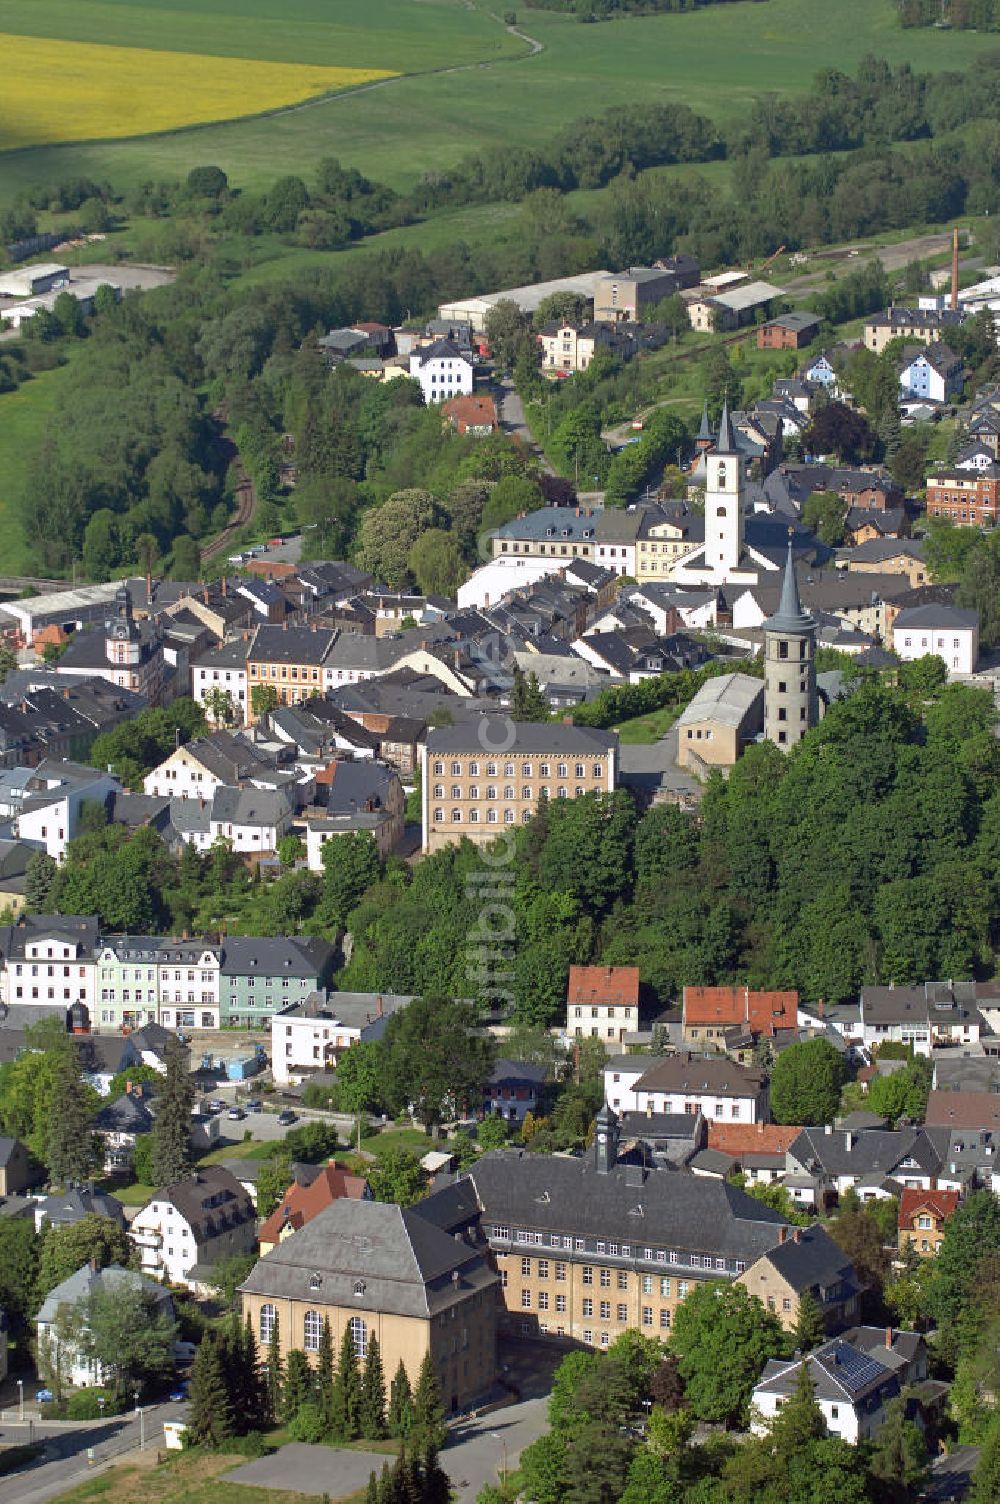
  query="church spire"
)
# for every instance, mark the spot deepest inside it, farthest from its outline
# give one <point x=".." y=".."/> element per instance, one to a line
<point x="725" y="444"/>
<point x="704" y="432"/>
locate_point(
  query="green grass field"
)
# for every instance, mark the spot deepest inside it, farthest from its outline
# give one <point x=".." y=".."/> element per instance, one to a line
<point x="716" y="59"/>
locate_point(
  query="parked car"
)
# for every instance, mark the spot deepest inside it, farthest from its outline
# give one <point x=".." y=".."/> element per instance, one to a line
<point x="255" y="1105"/>
<point x="236" y="1113"/>
<point x="181" y="1393"/>
<point x="235" y="559"/>
<point x="216" y="1104"/>
<point x="287" y="1118"/>
<point x="44" y="1396"/>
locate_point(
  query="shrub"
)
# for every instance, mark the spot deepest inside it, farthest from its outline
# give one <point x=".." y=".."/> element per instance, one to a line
<point x="83" y="1404"/>
<point x="308" y="1423"/>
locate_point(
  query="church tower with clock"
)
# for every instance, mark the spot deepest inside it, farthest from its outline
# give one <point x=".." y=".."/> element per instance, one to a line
<point x="605" y="1140"/>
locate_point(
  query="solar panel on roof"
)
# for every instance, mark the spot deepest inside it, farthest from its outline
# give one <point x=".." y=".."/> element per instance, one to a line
<point x="853" y="1369"/>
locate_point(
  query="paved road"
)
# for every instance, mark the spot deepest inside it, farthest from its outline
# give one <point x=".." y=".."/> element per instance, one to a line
<point x="67" y="1446"/>
<point x="513" y="421"/>
<point x="479" y="1451"/>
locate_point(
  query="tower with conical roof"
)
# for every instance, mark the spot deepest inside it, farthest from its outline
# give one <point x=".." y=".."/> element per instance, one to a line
<point x="791" y="705"/>
<point x="723" y="504"/>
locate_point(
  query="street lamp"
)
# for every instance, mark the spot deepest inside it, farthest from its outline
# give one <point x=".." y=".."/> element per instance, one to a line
<point x="20" y="1399"/>
<point x="142" y="1430"/>
<point x="101" y="1402"/>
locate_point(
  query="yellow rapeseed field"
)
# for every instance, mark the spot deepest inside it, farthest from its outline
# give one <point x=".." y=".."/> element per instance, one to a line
<point x="79" y="91"/>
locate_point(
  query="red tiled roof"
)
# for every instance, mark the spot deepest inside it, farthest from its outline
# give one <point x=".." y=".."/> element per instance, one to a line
<point x="762" y="1012"/>
<point x="963" y="1109"/>
<point x="303" y="1202"/>
<point x="751" y="1138"/>
<point x="607" y="985"/>
<point x="471" y="412"/>
<point x="943" y="1203"/>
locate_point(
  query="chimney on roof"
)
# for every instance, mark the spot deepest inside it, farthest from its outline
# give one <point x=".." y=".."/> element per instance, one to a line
<point x="797" y="1235"/>
<point x="848" y="1141"/>
<point x="649" y="1107"/>
<point x="888" y="1336"/>
<point x="782" y="1234"/>
<point x="129" y="1088"/>
<point x="67" y="693"/>
<point x="954" y="268"/>
<point x="93" y="1263"/>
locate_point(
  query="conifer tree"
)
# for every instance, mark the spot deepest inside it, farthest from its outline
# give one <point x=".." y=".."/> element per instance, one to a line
<point x="254" y="1383"/>
<point x="372" y="1492"/>
<point x="435" y="1483"/>
<point x="346" y="1406"/>
<point x="429" y="1431"/>
<point x="210" y="1420"/>
<point x="297" y="1386"/>
<point x="325" y="1373"/>
<point x="809" y="1328"/>
<point x="986" y="1476"/>
<point x="274" y="1378"/>
<point x="70" y="1153"/>
<point x="400" y="1403"/>
<point x="373" y="1394"/>
<point x="172" y="1131"/>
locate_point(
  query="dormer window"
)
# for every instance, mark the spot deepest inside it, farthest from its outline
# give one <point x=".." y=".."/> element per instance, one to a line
<point x="359" y="1287"/>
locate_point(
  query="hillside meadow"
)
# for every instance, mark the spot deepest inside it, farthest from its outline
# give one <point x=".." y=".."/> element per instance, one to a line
<point x="715" y="59"/>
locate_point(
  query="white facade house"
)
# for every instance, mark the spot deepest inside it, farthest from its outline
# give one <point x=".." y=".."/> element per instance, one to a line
<point x="492" y="581"/>
<point x="851" y="1386"/>
<point x="443" y="371"/>
<point x="49" y="816"/>
<point x="718" y="1088"/>
<point x="949" y="632"/>
<point x="56" y="966"/>
<point x="193" y="1224"/>
<point x="309" y="1036"/>
<point x="75" y="1292"/>
<point x="224" y="671"/>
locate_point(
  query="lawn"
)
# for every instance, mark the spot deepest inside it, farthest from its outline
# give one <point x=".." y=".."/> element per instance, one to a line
<point x="716" y="59"/>
<point x="648" y="728"/>
<point x="185" y="1479"/>
<point x="26" y="415"/>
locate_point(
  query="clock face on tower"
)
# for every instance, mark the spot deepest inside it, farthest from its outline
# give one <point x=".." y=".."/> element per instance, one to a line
<point x="602" y="1138"/>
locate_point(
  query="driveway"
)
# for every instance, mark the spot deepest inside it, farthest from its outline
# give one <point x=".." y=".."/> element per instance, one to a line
<point x="477" y="1452"/>
<point x="513" y="421"/>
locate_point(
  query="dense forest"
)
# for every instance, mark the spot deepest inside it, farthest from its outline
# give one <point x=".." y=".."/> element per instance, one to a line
<point x="964" y="15"/>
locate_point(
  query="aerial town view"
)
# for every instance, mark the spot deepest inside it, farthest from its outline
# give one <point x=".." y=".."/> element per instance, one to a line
<point x="500" y="752"/>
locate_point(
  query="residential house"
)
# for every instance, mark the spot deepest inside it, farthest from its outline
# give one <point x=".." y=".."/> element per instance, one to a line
<point x="789" y="331"/>
<point x="875" y="1163"/>
<point x="548" y="532"/>
<point x="48" y="959"/>
<point x="377" y="1270"/>
<point x="310" y="1035"/>
<point x="147" y="979"/>
<point x="949" y="632"/>
<point x="889" y="556"/>
<point x="755" y="1150"/>
<point x="119" y="1123"/>
<point x="472" y="784"/>
<point x="443" y="371"/>
<point x="19" y="1170"/>
<point x="970" y="1111"/>
<point x="863" y="526"/>
<point x="304" y="1201"/>
<point x="287" y="660"/>
<point x="250" y="820"/>
<point x="716" y="1087"/>
<point x="935" y="374"/>
<point x="615" y="533"/>
<point x="820" y="371"/>
<point x="666" y="535"/>
<point x="723" y="717"/>
<point x="711" y="1014"/>
<point x="222" y="670"/>
<point x="261" y="976"/>
<point x="49" y="812"/>
<point x="968" y="498"/>
<point x="567" y="348"/>
<point x="353" y="797"/>
<point x="922" y="1216"/>
<point x="513" y="1089"/>
<point x="602" y="1002"/>
<point x="76" y="1292"/>
<point x="806" y="1260"/>
<point x="79" y="1201"/>
<point x="200" y="767"/>
<point x="852" y="1389"/>
<point x="188" y="1227"/>
<point x="474" y="414"/>
<point x="709" y="308"/>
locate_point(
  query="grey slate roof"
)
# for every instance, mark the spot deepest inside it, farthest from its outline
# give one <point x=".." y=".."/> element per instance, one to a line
<point x="252" y="955"/>
<point x="79" y="1285"/>
<point x="373" y="1257"/>
<point x="663" y="1210"/>
<point x="839" y="1372"/>
<point x="811" y="1260"/>
<point x="274" y="644"/>
<point x="209" y="1200"/>
<point x="530" y="738"/>
<point x="80" y="1202"/>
